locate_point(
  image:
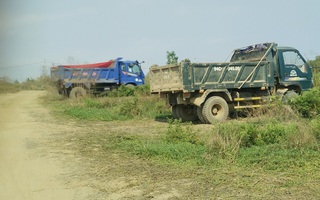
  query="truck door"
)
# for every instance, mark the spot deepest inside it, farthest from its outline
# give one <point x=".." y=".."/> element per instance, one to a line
<point x="294" y="70"/>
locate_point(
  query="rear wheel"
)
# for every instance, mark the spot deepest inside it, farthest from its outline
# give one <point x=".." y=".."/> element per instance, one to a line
<point x="215" y="109"/>
<point x="78" y="92"/>
<point x="200" y="115"/>
<point x="186" y="113"/>
<point x="175" y="112"/>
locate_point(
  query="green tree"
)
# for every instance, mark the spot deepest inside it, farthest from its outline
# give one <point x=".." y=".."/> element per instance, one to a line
<point x="171" y="57"/>
<point x="315" y="64"/>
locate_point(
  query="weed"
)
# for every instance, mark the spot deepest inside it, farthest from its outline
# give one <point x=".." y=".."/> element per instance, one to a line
<point x="8" y="87"/>
<point x="315" y="127"/>
<point x="224" y="141"/>
<point x="308" y="103"/>
<point x="176" y="133"/>
<point x="122" y="91"/>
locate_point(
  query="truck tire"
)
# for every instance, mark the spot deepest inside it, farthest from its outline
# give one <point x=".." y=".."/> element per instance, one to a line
<point x="288" y="96"/>
<point x="215" y="109"/>
<point x="186" y="113"/>
<point x="175" y="112"/>
<point x="129" y="85"/>
<point x="200" y="115"/>
<point x="78" y="92"/>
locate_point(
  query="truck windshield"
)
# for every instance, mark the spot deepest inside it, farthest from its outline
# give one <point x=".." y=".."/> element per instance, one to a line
<point x="292" y="60"/>
<point x="250" y="53"/>
<point x="134" y="68"/>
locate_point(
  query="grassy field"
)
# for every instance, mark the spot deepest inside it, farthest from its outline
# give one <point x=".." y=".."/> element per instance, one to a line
<point x="273" y="154"/>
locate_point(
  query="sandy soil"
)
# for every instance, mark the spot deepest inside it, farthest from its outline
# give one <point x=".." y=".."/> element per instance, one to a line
<point x="29" y="168"/>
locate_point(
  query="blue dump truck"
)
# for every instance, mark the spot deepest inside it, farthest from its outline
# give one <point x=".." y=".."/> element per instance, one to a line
<point x="80" y="80"/>
<point x="209" y="91"/>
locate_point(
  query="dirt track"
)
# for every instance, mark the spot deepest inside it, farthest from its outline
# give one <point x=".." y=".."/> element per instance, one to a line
<point x="29" y="169"/>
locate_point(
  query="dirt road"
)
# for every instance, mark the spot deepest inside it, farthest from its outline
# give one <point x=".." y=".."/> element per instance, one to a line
<point x="29" y="168"/>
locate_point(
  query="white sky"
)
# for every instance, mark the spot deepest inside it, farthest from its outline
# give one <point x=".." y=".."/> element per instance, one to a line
<point x="34" y="33"/>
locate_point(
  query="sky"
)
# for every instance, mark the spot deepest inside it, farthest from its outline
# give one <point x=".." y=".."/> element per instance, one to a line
<point x="37" y="34"/>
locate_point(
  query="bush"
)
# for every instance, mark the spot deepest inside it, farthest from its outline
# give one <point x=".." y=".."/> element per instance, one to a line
<point x="7" y="87"/>
<point x="41" y="83"/>
<point x="130" y="108"/>
<point x="176" y="133"/>
<point x="315" y="127"/>
<point x="116" y="108"/>
<point x="308" y="103"/>
<point x="122" y="91"/>
<point x="271" y="133"/>
<point x="224" y="141"/>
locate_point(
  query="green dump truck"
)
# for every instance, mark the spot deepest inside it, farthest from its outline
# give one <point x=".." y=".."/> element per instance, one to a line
<point x="210" y="91"/>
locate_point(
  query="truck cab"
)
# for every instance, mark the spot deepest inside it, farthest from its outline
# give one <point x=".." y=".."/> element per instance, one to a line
<point x="291" y="71"/>
<point x="130" y="73"/>
<point x="294" y="72"/>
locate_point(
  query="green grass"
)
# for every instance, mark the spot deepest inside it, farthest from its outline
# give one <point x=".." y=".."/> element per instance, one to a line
<point x="280" y="158"/>
<point x="278" y="147"/>
<point x="114" y="108"/>
<point x="273" y="140"/>
<point x="278" y="139"/>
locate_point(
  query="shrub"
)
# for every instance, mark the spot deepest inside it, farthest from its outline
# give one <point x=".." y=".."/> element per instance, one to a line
<point x="130" y="107"/>
<point x="6" y="86"/>
<point x="315" y="127"/>
<point x="176" y="133"/>
<point x="41" y="83"/>
<point x="93" y="103"/>
<point x="225" y="140"/>
<point x="308" y="103"/>
<point x="122" y="91"/>
<point x="271" y="133"/>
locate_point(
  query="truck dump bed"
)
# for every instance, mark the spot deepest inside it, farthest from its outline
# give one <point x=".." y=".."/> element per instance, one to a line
<point x="189" y="77"/>
<point x="84" y="73"/>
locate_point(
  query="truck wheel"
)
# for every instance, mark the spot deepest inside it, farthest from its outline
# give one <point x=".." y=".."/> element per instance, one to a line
<point x="215" y="109"/>
<point x="78" y="92"/>
<point x="185" y="112"/>
<point x="200" y="115"/>
<point x="130" y="85"/>
<point x="175" y="112"/>
<point x="288" y="96"/>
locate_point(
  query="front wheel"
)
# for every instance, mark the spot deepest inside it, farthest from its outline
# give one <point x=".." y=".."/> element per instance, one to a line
<point x="215" y="109"/>
<point x="288" y="96"/>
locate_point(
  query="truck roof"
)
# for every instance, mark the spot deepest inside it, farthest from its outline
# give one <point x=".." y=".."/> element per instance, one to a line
<point x="286" y="48"/>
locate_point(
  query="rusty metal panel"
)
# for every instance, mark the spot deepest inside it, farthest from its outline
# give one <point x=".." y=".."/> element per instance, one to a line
<point x="166" y="79"/>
